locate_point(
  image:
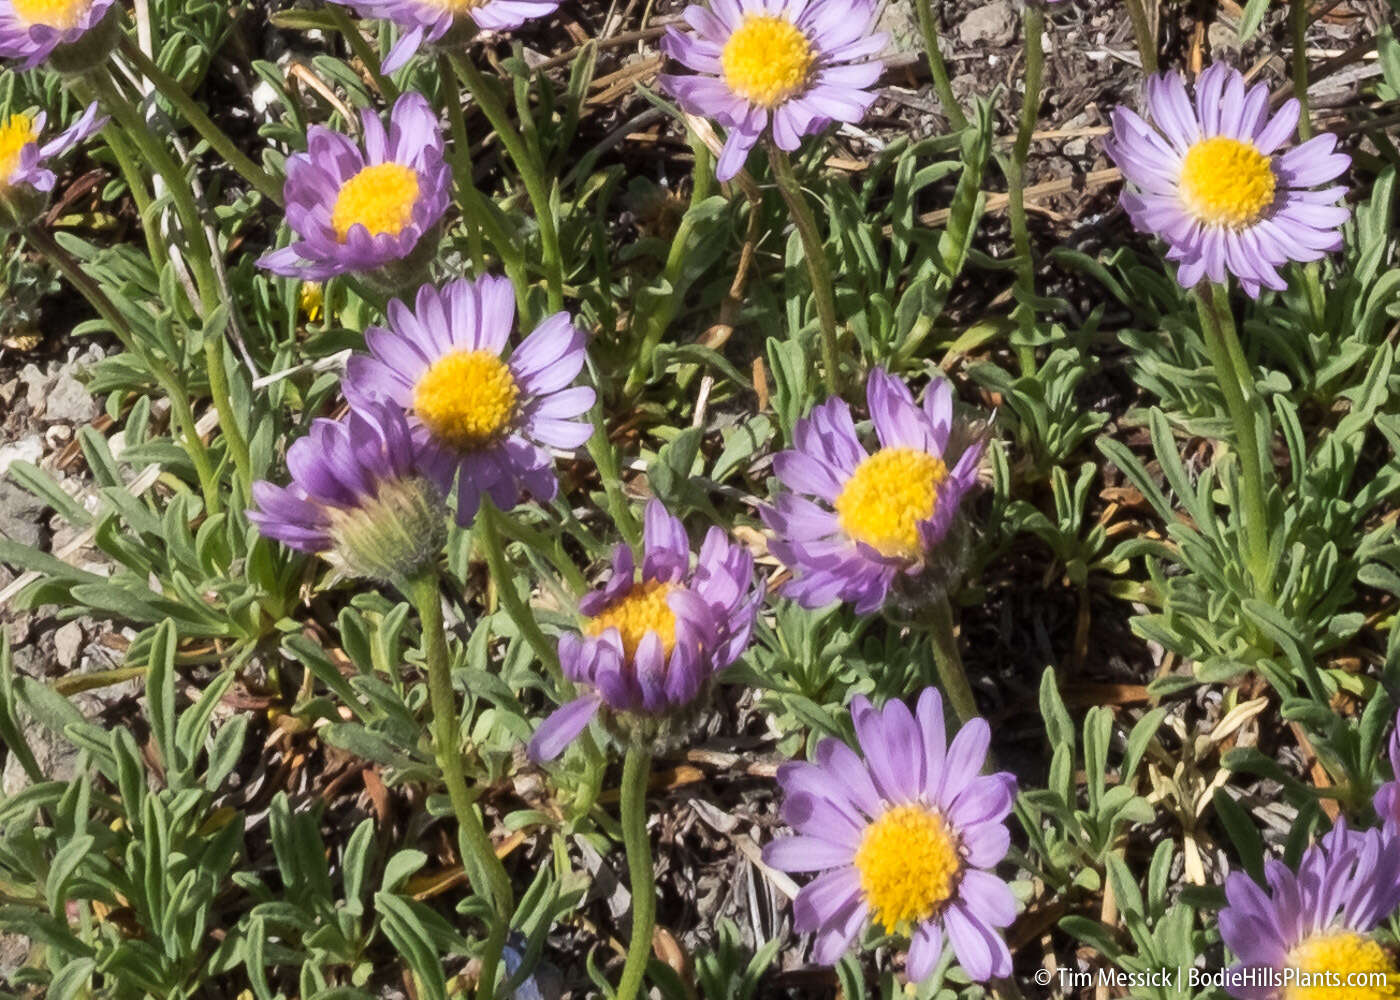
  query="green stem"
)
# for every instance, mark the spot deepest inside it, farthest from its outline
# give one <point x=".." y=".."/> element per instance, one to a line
<point x="362" y="50"/>
<point x="948" y="661"/>
<point x="635" y="772"/>
<point x="1298" y="23"/>
<point x="1033" y="26"/>
<point x="937" y="68"/>
<point x="1236" y="379"/>
<point x="656" y="321"/>
<point x="476" y="213"/>
<point x="487" y="874"/>
<point x="604" y="455"/>
<point x="488" y="535"/>
<point x="531" y="173"/>
<point x="818" y="268"/>
<point x="199" y="249"/>
<point x="1142" y="30"/>
<point x="181" y="411"/>
<point x="217" y="138"/>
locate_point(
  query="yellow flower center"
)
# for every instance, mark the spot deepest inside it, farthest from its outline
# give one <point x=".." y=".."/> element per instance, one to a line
<point x="1341" y="965"/>
<point x="466" y="398"/>
<point x="61" y="14"/>
<point x="1226" y="182"/>
<point x="767" y="60"/>
<point x="887" y="496"/>
<point x="642" y="610"/>
<point x="455" y="6"/>
<point x="311" y="299"/>
<point x="908" y="864"/>
<point x="15" y="134"/>
<point x="380" y="198"/>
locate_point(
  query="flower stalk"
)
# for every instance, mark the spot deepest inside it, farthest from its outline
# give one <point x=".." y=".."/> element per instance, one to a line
<point x="1236" y="380"/>
<point x="488" y="535"/>
<point x="818" y="268"/>
<point x="937" y="68"/>
<point x="952" y="677"/>
<point x="1033" y="27"/>
<point x="1144" y="33"/>
<point x="484" y="869"/>
<point x="635" y="772"/>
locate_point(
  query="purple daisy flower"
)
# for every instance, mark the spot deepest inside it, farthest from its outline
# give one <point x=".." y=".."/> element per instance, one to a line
<point x="30" y="30"/>
<point x="906" y="837"/>
<point x="482" y="416"/>
<point x="1316" y="920"/>
<point x="1207" y="180"/>
<point x="649" y="647"/>
<point x="356" y="492"/>
<point x="797" y="64"/>
<point x="877" y="515"/>
<point x="22" y="159"/>
<point x="429" y="21"/>
<point x="357" y="211"/>
<point x="1387" y="800"/>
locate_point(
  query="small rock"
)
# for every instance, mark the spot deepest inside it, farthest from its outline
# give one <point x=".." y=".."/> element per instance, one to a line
<point x="1223" y="39"/>
<point x="35" y="383"/>
<point x="69" y="401"/>
<point x="21" y="515"/>
<point x="992" y="24"/>
<point x="26" y="449"/>
<point x="68" y="643"/>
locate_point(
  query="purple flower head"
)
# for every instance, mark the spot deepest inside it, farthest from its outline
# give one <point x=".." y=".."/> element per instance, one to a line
<point x="359" y="210"/>
<point x="356" y="492"/>
<point x="429" y="21"/>
<point x="906" y="838"/>
<point x="484" y="415"/>
<point x="795" y="64"/>
<point x="1318" y="919"/>
<point x="1209" y="181"/>
<point x="30" y="30"/>
<point x="22" y="158"/>
<point x="871" y="516"/>
<point x="1387" y="800"/>
<point x="649" y="647"/>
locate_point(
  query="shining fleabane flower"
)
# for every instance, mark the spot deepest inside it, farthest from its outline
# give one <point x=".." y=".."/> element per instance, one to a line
<point x="649" y="647"/>
<point x="357" y="495"/>
<point x="1387" y="800"/>
<point x="33" y="31"/>
<point x="431" y="21"/>
<point x="484" y="416"/>
<point x="906" y="839"/>
<point x="1210" y="182"/>
<point x="370" y="211"/>
<point x="855" y="521"/>
<point x="1316" y="922"/>
<point x="795" y="64"/>
<point x="25" y="179"/>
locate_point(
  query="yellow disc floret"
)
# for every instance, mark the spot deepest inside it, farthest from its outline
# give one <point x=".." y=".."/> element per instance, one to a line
<point x="909" y="865"/>
<point x="643" y="609"/>
<point x="61" y="14"/>
<point x="1340" y="965"/>
<point x="380" y="198"/>
<point x="887" y="496"/>
<point x="466" y="399"/>
<point x="15" y="134"/>
<point x="455" y="6"/>
<point x="1226" y="182"/>
<point x="767" y="60"/>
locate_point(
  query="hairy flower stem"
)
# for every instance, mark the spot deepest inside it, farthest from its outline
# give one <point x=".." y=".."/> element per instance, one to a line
<point x="217" y="138"/>
<point x="635" y="772"/>
<point x="484" y="869"/>
<point x="530" y="169"/>
<point x="818" y="268"/>
<point x="488" y="535"/>
<point x="1236" y="379"/>
<point x="1033" y="27"/>
<point x="363" y="52"/>
<point x="199" y="253"/>
<point x="477" y="214"/>
<point x="937" y="68"/>
<point x="181" y="411"/>
<point x="1298" y="24"/>
<point x="948" y="661"/>
<point x="1144" y="33"/>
